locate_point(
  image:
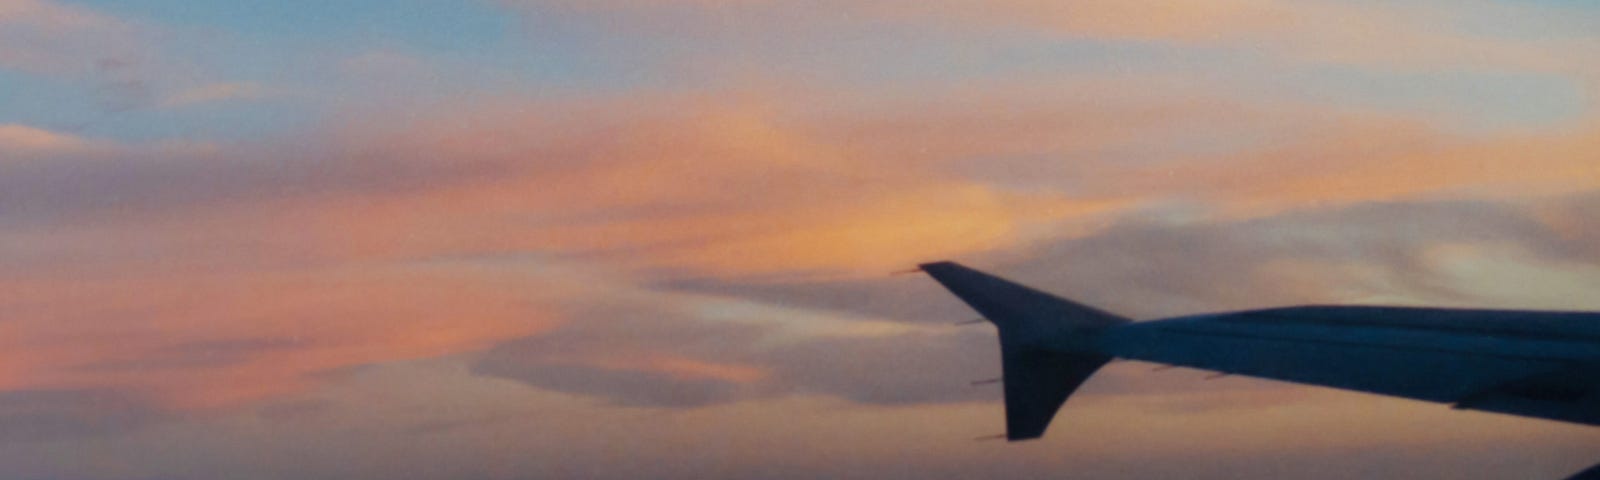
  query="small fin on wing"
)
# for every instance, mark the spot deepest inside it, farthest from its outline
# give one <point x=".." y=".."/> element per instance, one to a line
<point x="1037" y="383"/>
<point x="1045" y="342"/>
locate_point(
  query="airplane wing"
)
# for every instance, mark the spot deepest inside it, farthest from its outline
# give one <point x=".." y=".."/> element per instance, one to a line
<point x="1592" y="473"/>
<point x="1534" y="364"/>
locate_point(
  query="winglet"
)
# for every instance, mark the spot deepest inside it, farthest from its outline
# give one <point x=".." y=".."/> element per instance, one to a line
<point x="1043" y="342"/>
<point x="1037" y="383"/>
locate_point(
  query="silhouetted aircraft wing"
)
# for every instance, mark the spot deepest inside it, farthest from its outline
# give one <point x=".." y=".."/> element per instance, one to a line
<point x="1593" y="473"/>
<point x="1535" y="364"/>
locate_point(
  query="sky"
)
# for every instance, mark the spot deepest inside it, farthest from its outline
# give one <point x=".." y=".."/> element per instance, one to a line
<point x="613" y="239"/>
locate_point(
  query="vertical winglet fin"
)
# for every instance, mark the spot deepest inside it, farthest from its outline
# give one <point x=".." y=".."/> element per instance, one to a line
<point x="1043" y="342"/>
<point x="1037" y="383"/>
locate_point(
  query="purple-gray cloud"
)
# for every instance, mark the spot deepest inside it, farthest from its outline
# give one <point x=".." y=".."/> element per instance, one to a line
<point x="44" y="415"/>
<point x="1148" y="266"/>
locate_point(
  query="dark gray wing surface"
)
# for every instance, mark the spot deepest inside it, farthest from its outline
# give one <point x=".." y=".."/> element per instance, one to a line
<point x="1592" y="473"/>
<point x="1537" y="364"/>
<point x="1037" y="382"/>
<point x="1038" y="378"/>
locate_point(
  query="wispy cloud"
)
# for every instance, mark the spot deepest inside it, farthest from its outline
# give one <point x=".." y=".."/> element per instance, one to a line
<point x="22" y="141"/>
<point x="1387" y="36"/>
<point x="216" y="92"/>
<point x="298" y="249"/>
<point x="230" y="338"/>
<point x="49" y="37"/>
<point x="46" y="415"/>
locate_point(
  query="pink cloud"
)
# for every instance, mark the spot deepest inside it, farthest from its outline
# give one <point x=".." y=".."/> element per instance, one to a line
<point x="194" y="339"/>
<point x="23" y="141"/>
<point x="233" y="274"/>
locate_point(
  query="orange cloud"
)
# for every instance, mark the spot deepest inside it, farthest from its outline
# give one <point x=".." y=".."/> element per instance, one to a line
<point x="750" y="185"/>
<point x="726" y="189"/>
<point x="221" y="296"/>
<point x="252" y="296"/>
<point x="1379" y="160"/>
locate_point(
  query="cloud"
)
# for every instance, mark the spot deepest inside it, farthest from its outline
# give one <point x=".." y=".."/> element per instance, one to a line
<point x="891" y="370"/>
<point x="665" y="352"/>
<point x="236" y="335"/>
<point x="20" y="141"/>
<point x="748" y="197"/>
<point x="110" y="183"/>
<point x="384" y="64"/>
<point x="886" y="370"/>
<point x="1378" y="162"/>
<point x="644" y="354"/>
<point x="1575" y="235"/>
<point x="1392" y="37"/>
<point x="216" y="92"/>
<point x="766" y="185"/>
<point x="667" y="367"/>
<point x="225" y="275"/>
<point x="45" y="415"/>
<point x="675" y="184"/>
<point x="1159" y="263"/>
<point x="42" y="36"/>
<point x="121" y="64"/>
<point x="625" y="387"/>
<point x="711" y="251"/>
<point x="763" y="190"/>
<point x="1157" y="266"/>
<point x="118" y="58"/>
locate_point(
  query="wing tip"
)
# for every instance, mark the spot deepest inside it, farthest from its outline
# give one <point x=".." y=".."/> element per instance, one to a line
<point x="924" y="266"/>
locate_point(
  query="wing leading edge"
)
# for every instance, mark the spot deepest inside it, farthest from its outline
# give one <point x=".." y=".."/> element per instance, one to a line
<point x="1485" y="360"/>
<point x="1533" y="364"/>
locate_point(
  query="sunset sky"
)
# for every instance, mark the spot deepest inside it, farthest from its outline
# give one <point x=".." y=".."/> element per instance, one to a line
<point x="621" y="239"/>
